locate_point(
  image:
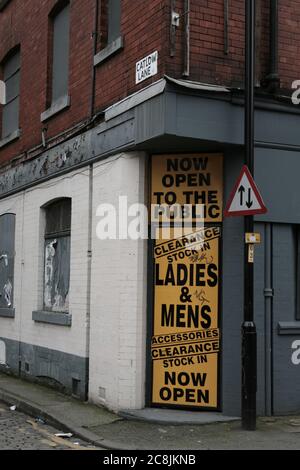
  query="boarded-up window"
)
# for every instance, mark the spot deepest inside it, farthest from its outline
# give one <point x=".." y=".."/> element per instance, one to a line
<point x="57" y="256"/>
<point x="60" y="57"/>
<point x="7" y="255"/>
<point x="11" y="77"/>
<point x="109" y="23"/>
<point x="114" y="20"/>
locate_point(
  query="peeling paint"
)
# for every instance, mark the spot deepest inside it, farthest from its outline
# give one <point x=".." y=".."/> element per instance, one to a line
<point x="7" y="254"/>
<point x="49" y="255"/>
<point x="66" y="154"/>
<point x="5" y="258"/>
<point x="57" y="273"/>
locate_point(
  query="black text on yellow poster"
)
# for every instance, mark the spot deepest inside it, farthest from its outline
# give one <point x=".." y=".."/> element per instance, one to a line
<point x="185" y="343"/>
<point x="186" y="196"/>
<point x="187" y="186"/>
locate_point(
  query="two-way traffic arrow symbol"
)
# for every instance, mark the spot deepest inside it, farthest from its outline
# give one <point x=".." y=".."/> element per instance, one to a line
<point x="249" y="202"/>
<point x="245" y="198"/>
<point x="241" y="190"/>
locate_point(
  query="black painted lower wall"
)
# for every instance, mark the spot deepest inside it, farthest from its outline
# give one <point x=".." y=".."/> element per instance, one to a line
<point x="62" y="371"/>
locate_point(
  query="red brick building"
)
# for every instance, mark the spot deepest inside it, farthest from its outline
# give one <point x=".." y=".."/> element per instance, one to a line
<point x="216" y="54"/>
<point x="95" y="88"/>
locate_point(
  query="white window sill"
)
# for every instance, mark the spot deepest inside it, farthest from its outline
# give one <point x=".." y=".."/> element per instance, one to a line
<point x="109" y="50"/>
<point x="10" y="138"/>
<point x="56" y="107"/>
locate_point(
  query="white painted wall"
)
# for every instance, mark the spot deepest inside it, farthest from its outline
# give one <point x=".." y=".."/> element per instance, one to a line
<point x="118" y="312"/>
<point x="10" y="328"/>
<point x="118" y="281"/>
<point x="29" y="265"/>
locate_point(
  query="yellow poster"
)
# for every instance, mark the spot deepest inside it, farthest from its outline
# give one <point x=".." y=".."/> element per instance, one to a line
<point x="185" y="343"/>
<point x="192" y="184"/>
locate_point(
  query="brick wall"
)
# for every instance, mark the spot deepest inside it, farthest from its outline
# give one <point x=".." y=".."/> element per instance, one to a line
<point x="145" y="27"/>
<point x="208" y="60"/>
<point x="26" y="23"/>
<point x="289" y="42"/>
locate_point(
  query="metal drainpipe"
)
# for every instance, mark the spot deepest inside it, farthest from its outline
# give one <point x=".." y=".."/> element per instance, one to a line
<point x="89" y="272"/>
<point x="268" y="294"/>
<point x="186" y="71"/>
<point x="226" y="27"/>
<point x="90" y="208"/>
<point x="172" y="30"/>
<point x="95" y="39"/>
<point x="272" y="80"/>
<point x="21" y="287"/>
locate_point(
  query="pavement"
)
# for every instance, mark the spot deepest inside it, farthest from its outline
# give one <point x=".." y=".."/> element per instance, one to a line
<point x="18" y="431"/>
<point x="149" y="429"/>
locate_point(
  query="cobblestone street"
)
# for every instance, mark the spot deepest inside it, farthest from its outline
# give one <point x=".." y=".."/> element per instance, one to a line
<point x="21" y="432"/>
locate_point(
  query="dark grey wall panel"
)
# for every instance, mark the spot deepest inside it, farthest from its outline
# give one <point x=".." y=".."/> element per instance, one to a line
<point x="209" y="119"/>
<point x="150" y="119"/>
<point x="286" y="374"/>
<point x="219" y="119"/>
<point x="277" y="127"/>
<point x="259" y="318"/>
<point x="12" y="356"/>
<point x="232" y="298"/>
<point x="55" y="368"/>
<point x="277" y="176"/>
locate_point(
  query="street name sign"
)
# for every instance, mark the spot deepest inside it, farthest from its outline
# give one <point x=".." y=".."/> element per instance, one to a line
<point x="245" y="198"/>
<point x="146" y="67"/>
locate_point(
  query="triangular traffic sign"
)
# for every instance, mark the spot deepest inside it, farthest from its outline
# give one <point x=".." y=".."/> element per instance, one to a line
<point x="245" y="198"/>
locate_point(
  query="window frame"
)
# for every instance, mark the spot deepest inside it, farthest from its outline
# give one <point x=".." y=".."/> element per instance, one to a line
<point x="16" y="72"/>
<point x="51" y="235"/>
<point x="112" y="20"/>
<point x="56" y="104"/>
<point x="56" y="71"/>
<point x="9" y="310"/>
<point x="108" y="46"/>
